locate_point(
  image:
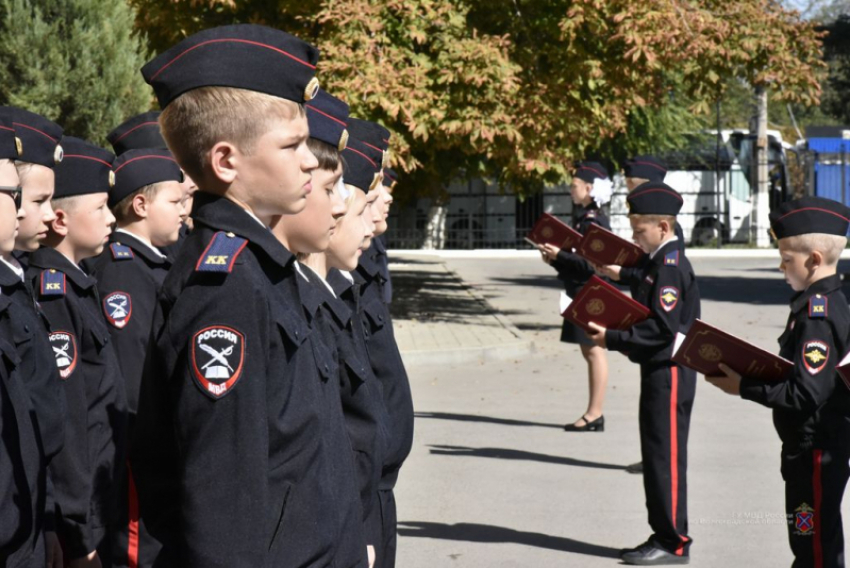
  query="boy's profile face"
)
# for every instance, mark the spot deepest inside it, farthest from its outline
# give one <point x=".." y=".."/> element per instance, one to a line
<point x="89" y="223"/>
<point x="9" y="214"/>
<point x="310" y="230"/>
<point x="166" y="213"/>
<point x="352" y="235"/>
<point x="278" y="172"/>
<point x="189" y="188"/>
<point x="796" y="266"/>
<point x="648" y="235"/>
<point x="38" y="183"/>
<point x="579" y="191"/>
<point x="375" y="213"/>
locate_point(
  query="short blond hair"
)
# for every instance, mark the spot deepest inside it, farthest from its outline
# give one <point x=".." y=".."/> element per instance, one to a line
<point x="671" y="220"/>
<point x="124" y="208"/>
<point x="197" y="120"/>
<point x="830" y="246"/>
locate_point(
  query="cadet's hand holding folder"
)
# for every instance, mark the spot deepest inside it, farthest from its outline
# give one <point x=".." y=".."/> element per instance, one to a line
<point x="705" y="347"/>
<point x="604" y="305"/>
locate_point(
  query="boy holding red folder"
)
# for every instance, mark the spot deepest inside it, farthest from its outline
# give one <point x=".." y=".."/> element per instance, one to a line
<point x="810" y="407"/>
<point x="669" y="289"/>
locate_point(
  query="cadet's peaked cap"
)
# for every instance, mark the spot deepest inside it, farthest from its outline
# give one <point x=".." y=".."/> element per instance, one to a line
<point x="373" y="135"/>
<point x="39" y="137"/>
<point x="645" y="167"/>
<point x="654" y="198"/>
<point x="85" y="169"/>
<point x="140" y="131"/>
<point x="362" y="165"/>
<point x="590" y="171"/>
<point x="10" y="145"/>
<point x="390" y="177"/>
<point x="809" y="215"/>
<point x="244" y="56"/>
<point x="135" y="169"/>
<point x="327" y="117"/>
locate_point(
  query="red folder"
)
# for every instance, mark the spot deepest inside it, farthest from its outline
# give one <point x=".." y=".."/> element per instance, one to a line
<point x="550" y="230"/>
<point x="601" y="246"/>
<point x="604" y="305"/>
<point x="705" y="346"/>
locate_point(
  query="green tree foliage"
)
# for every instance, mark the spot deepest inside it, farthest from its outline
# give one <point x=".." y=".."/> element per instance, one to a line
<point x="75" y="61"/>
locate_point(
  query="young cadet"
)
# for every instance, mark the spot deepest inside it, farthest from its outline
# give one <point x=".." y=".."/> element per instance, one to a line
<point x="147" y="203"/>
<point x="84" y="473"/>
<point x="810" y="407"/>
<point x="590" y="189"/>
<point x="23" y="485"/>
<point x="142" y="132"/>
<point x="390" y="183"/>
<point x="669" y="289"/>
<point x="231" y="466"/>
<point x="384" y="355"/>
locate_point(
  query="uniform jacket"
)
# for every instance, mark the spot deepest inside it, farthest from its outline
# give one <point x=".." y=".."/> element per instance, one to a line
<point x="574" y="270"/>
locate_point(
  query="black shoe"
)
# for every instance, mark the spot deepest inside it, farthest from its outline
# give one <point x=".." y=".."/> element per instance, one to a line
<point x="649" y="554"/>
<point x="597" y="425"/>
<point x="635" y="468"/>
<point x="638" y="547"/>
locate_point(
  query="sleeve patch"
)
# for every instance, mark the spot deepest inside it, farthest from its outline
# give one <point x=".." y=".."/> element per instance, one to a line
<point x="64" y="346"/>
<point x="118" y="308"/>
<point x="815" y="356"/>
<point x="671" y="258"/>
<point x="818" y="306"/>
<point x="669" y="297"/>
<point x="221" y="253"/>
<point x="52" y="283"/>
<point x="121" y="252"/>
<point x="217" y="359"/>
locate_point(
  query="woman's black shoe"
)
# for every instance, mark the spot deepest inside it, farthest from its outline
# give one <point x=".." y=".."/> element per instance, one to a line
<point x="597" y="425"/>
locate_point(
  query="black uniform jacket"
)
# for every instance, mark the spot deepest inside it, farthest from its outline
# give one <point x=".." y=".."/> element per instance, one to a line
<point x="815" y="339"/>
<point x="93" y="458"/>
<point x="229" y="452"/>
<point x="574" y="270"/>
<point x="669" y="289"/>
<point x="387" y="365"/>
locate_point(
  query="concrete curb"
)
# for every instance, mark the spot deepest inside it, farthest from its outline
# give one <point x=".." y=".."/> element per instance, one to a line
<point x="466" y="355"/>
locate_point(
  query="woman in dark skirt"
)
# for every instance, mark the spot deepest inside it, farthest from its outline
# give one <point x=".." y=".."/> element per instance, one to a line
<point x="590" y="190"/>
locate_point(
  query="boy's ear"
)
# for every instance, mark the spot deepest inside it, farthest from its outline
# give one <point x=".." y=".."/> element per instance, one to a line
<point x="60" y="224"/>
<point x="816" y="258"/>
<point x="224" y="159"/>
<point x="140" y="206"/>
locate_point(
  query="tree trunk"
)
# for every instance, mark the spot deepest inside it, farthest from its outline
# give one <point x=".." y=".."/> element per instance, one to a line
<point x="435" y="229"/>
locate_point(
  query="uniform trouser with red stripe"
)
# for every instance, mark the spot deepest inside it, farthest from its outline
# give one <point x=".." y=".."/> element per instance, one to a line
<point x="128" y="544"/>
<point x="666" y="399"/>
<point x="814" y="486"/>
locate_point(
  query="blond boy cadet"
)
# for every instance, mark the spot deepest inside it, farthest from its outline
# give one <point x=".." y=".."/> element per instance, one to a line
<point x="669" y="289"/>
<point x="85" y="471"/>
<point x="231" y="466"/>
<point x="810" y="407"/>
<point x="23" y="486"/>
<point x="147" y="202"/>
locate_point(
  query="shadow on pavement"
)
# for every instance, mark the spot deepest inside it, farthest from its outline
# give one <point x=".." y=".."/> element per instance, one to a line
<point x="506" y="454"/>
<point x="433" y="296"/>
<point x="472" y="532"/>
<point x="485" y="419"/>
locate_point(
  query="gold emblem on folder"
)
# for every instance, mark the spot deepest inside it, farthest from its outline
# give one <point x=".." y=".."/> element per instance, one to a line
<point x="595" y="307"/>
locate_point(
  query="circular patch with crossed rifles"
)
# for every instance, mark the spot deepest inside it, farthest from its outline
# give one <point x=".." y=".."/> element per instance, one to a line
<point x="710" y="353"/>
<point x="597" y="245"/>
<point x="595" y="307"/>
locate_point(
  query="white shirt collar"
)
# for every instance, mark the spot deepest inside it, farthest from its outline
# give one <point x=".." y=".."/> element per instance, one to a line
<point x="16" y="268"/>
<point x="300" y="271"/>
<point x="347" y="275"/>
<point x="661" y="246"/>
<point x="325" y="282"/>
<point x="142" y="240"/>
<point x="255" y="218"/>
<point x="77" y="266"/>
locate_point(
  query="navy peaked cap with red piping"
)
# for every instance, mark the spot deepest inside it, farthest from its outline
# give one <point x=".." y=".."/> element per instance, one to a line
<point x="362" y="165"/>
<point x="140" y="131"/>
<point x="390" y="177"/>
<point x="244" y="56"/>
<point x="84" y="169"/>
<point x="645" y="167"/>
<point x="134" y="169"/>
<point x="9" y="148"/>
<point x="327" y="117"/>
<point x="590" y="171"/>
<point x="39" y="137"/>
<point x="654" y="198"/>
<point x="809" y="215"/>
<point x="370" y="133"/>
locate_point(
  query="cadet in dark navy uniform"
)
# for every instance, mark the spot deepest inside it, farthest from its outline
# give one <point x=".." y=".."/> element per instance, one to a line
<point x="147" y="203"/>
<point x="590" y="189"/>
<point x="142" y="132"/>
<point x="669" y="289"/>
<point x="23" y="481"/>
<point x="84" y="473"/>
<point x="810" y="408"/>
<point x="232" y="466"/>
<point x="384" y="355"/>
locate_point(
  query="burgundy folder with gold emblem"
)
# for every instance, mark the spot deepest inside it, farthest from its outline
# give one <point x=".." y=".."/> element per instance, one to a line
<point x="549" y="230"/>
<point x="601" y="246"/>
<point x="604" y="305"/>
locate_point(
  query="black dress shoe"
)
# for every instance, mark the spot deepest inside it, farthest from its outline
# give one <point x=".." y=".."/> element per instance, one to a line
<point x="649" y="554"/>
<point x="635" y="468"/>
<point x="597" y="425"/>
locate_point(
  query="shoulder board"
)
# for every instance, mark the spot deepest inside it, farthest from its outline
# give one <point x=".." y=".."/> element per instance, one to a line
<point x="51" y="283"/>
<point x="671" y="258"/>
<point x="121" y="252"/>
<point x="221" y="253"/>
<point x="818" y="306"/>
